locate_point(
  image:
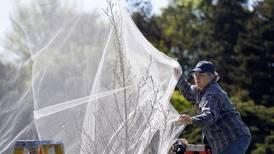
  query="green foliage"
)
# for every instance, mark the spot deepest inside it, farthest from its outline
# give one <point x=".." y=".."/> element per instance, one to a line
<point x="260" y="120"/>
<point x="180" y="103"/>
<point x="255" y="54"/>
<point x="154" y="34"/>
<point x="143" y="7"/>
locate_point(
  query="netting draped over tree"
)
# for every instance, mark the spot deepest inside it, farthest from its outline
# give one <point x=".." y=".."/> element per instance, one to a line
<point x="87" y="77"/>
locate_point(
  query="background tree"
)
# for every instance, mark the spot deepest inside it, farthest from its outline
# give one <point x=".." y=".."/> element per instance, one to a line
<point x="255" y="54"/>
<point x="255" y="57"/>
<point x="143" y="7"/>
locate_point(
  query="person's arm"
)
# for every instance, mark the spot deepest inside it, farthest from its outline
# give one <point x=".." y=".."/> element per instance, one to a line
<point x="211" y="107"/>
<point x="186" y="89"/>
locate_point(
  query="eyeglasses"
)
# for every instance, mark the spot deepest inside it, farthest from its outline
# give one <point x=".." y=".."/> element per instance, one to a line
<point x="196" y="74"/>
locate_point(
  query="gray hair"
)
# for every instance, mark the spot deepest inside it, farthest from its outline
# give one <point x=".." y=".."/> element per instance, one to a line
<point x="216" y="76"/>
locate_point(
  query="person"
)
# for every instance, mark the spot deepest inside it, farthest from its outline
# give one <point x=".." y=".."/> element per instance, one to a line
<point x="221" y="124"/>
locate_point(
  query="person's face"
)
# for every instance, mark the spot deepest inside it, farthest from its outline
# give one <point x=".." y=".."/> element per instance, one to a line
<point x="202" y="79"/>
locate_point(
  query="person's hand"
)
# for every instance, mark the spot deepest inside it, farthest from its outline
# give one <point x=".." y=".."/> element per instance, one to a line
<point x="177" y="73"/>
<point x="183" y="140"/>
<point x="185" y="119"/>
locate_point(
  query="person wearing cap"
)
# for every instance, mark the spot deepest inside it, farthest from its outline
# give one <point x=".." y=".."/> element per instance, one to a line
<point x="221" y="124"/>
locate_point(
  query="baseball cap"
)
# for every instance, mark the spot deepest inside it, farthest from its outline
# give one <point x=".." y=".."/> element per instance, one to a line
<point x="203" y="67"/>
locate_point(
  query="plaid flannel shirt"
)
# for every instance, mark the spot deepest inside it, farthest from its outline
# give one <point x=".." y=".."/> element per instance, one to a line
<point x="220" y="122"/>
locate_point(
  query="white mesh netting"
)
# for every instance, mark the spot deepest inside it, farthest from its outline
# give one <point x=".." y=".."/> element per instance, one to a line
<point x="86" y="77"/>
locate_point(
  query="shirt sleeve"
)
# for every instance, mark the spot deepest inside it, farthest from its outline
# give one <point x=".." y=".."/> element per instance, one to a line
<point x="210" y="111"/>
<point x="186" y="89"/>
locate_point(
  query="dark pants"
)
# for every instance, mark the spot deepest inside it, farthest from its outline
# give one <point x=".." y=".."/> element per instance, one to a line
<point x="239" y="146"/>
